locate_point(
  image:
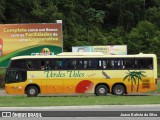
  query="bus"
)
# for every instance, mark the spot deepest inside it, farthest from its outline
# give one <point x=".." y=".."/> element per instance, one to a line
<point x="78" y="73"/>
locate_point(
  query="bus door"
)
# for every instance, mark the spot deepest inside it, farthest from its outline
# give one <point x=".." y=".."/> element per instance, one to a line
<point x="14" y="81"/>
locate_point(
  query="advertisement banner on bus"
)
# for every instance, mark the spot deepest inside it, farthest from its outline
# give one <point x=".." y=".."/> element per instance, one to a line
<point x="109" y="49"/>
<point x="28" y="39"/>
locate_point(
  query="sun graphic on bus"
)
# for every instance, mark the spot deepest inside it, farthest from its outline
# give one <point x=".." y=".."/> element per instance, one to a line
<point x="45" y="51"/>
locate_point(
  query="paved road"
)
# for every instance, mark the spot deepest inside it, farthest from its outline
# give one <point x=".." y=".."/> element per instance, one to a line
<point x="95" y="110"/>
<point x="87" y="108"/>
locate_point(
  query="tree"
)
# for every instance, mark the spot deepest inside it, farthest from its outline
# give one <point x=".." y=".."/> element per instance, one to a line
<point x="153" y="15"/>
<point x="94" y="16"/>
<point x="126" y="13"/>
<point x="116" y="36"/>
<point x="155" y="44"/>
<point x="45" y="11"/>
<point x="17" y="11"/>
<point x="141" y="37"/>
<point x="2" y="10"/>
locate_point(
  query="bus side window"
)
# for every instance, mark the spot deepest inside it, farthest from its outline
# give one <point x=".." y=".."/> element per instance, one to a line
<point x="79" y="64"/>
<point x="29" y="65"/>
<point x="145" y="63"/>
<point x="59" y="64"/>
<point x="104" y="64"/>
<point x="112" y="64"/>
<point x="85" y="64"/>
<point x="20" y="64"/>
<point x="94" y="64"/>
<point x="69" y="64"/>
<point x="150" y="63"/>
<point x="52" y="64"/>
<point x="43" y="66"/>
<point x="49" y="64"/>
<point x="33" y="64"/>
<point x="73" y="64"/>
<point x="127" y="64"/>
<point x="99" y="66"/>
<point x="88" y="64"/>
<point x="108" y="64"/>
<point x="123" y="64"/>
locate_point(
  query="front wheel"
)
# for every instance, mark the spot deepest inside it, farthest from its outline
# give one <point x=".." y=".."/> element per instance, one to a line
<point x="32" y="91"/>
<point x="101" y="90"/>
<point x="118" y="90"/>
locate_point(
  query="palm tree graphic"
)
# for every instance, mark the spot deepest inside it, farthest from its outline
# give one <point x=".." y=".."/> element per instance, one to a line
<point x="133" y="77"/>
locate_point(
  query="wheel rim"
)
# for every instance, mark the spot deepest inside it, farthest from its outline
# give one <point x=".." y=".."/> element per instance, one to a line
<point x="119" y="90"/>
<point x="32" y="91"/>
<point x="102" y="90"/>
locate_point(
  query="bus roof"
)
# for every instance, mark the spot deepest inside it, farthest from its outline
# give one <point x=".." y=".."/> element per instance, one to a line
<point x="82" y="55"/>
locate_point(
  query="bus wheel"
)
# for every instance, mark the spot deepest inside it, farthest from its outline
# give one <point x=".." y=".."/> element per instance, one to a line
<point x="118" y="90"/>
<point x="101" y="90"/>
<point x="32" y="91"/>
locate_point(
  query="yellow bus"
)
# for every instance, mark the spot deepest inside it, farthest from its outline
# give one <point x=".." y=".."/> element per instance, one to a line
<point x="72" y="73"/>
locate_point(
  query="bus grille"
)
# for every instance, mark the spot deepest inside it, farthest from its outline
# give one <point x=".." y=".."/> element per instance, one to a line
<point x="145" y="84"/>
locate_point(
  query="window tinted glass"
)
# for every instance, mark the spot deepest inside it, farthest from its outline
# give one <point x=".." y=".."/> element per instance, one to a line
<point x="21" y="64"/>
<point x="13" y="76"/>
<point x="84" y="64"/>
<point x="33" y="64"/>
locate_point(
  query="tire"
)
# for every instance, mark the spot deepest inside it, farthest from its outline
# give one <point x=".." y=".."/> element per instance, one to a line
<point x="101" y="90"/>
<point x="32" y="91"/>
<point x="118" y="90"/>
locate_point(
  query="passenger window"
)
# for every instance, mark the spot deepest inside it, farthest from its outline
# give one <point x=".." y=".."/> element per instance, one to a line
<point x="88" y="64"/>
<point x="43" y="66"/>
<point x="18" y="64"/>
<point x="33" y="64"/>
<point x="59" y="64"/>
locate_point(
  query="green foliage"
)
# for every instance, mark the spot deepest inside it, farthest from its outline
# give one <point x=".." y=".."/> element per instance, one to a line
<point x="2" y="76"/>
<point x="2" y="10"/>
<point x="153" y="15"/>
<point x="93" y="22"/>
<point x="143" y="38"/>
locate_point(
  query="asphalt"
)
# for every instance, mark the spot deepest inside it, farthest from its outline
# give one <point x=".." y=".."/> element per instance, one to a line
<point x="147" y="107"/>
